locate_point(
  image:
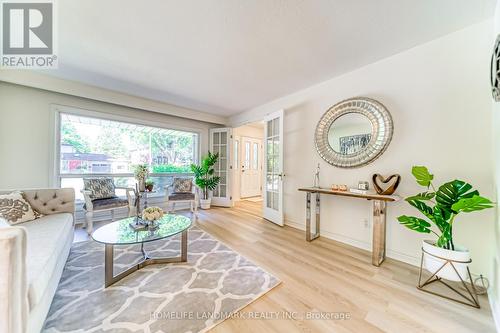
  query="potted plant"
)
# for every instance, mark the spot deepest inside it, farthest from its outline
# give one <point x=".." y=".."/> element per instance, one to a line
<point x="141" y="173"/>
<point x="205" y="179"/>
<point x="440" y="207"/>
<point x="150" y="185"/>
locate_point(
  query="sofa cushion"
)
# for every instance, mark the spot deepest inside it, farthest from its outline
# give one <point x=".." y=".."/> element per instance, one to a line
<point x="101" y="188"/>
<point x="108" y="203"/>
<point x="46" y="238"/>
<point x="15" y="209"/>
<point x="181" y="196"/>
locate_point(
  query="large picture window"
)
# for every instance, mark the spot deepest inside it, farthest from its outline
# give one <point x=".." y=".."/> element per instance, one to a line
<point x="97" y="147"/>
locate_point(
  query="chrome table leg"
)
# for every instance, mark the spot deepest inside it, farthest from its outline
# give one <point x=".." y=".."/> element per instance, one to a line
<point x="110" y="278"/>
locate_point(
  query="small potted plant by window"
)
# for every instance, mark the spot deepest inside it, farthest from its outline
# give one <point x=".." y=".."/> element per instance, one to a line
<point x="440" y="207"/>
<point x="205" y="179"/>
<point x="150" y="185"/>
<point x="141" y="173"/>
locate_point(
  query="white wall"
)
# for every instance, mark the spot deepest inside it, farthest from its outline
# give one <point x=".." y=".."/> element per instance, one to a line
<point x="494" y="294"/>
<point x="39" y="80"/>
<point x="438" y="94"/>
<point x="26" y="125"/>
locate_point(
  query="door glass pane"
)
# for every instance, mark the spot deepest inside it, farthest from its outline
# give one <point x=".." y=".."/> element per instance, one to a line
<point x="223" y="164"/>
<point x="276" y="127"/>
<point x="216" y="192"/>
<point x="222" y="191"/>
<point x="215" y="149"/>
<point x="270" y="149"/>
<point x="270" y="128"/>
<point x="247" y="155"/>
<point x="216" y="138"/>
<point x="269" y="200"/>
<point x="255" y="157"/>
<point x="276" y="197"/>
<point x="223" y="138"/>
<point x="223" y="151"/>
<point x="269" y="182"/>
<point x="276" y="147"/>
<point x="223" y="178"/>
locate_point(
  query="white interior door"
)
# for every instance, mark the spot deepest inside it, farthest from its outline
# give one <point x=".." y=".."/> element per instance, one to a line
<point x="273" y="166"/>
<point x="221" y="142"/>
<point x="251" y="167"/>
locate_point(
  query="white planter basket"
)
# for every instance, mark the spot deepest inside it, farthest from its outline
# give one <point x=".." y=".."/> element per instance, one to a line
<point x="448" y="265"/>
<point x="205" y="203"/>
<point x="460" y="258"/>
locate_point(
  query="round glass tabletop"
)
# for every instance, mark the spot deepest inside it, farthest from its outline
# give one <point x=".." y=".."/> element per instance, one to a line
<point x="121" y="233"/>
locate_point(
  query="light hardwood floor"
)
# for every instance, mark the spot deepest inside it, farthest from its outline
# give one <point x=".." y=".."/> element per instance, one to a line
<point x="327" y="276"/>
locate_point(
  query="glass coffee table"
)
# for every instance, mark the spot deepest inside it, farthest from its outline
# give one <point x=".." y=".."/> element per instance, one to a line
<point x="121" y="233"/>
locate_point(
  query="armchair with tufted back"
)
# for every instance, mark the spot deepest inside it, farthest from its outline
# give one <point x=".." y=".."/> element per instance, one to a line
<point x="100" y="196"/>
<point x="182" y="190"/>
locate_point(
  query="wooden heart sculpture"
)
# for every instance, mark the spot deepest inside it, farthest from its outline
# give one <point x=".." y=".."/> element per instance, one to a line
<point x="391" y="188"/>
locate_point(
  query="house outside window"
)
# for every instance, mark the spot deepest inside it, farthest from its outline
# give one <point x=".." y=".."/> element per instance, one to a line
<point x="93" y="147"/>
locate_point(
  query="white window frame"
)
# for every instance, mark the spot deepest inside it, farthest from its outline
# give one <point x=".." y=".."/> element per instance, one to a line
<point x="55" y="175"/>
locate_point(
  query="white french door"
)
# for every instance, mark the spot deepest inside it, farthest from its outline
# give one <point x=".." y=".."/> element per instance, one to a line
<point x="221" y="142"/>
<point x="251" y="167"/>
<point x="273" y="166"/>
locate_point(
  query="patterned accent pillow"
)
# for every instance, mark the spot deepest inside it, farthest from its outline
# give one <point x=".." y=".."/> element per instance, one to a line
<point x="183" y="185"/>
<point x="15" y="209"/>
<point x="101" y="188"/>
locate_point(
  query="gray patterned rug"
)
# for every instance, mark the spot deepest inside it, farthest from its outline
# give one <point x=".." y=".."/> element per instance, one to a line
<point x="182" y="297"/>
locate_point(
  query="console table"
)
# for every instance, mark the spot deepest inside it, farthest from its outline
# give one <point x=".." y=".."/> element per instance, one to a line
<point x="379" y="216"/>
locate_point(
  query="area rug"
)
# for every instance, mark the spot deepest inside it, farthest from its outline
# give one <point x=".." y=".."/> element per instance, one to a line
<point x="183" y="297"/>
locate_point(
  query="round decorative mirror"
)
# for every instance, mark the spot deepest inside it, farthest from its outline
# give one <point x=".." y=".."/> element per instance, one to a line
<point x="353" y="132"/>
<point x="495" y="70"/>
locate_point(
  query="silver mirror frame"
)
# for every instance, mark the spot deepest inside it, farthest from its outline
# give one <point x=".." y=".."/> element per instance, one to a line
<point x="382" y="130"/>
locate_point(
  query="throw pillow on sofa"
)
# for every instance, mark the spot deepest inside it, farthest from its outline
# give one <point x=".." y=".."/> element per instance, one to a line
<point x="15" y="209"/>
<point x="101" y="188"/>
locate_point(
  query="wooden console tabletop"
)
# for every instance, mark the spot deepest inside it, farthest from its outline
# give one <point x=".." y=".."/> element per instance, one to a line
<point x="379" y="216"/>
<point x="368" y="196"/>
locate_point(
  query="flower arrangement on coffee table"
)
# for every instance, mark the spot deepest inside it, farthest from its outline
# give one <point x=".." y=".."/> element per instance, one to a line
<point x="151" y="214"/>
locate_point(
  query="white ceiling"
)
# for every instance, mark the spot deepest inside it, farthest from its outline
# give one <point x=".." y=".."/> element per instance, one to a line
<point x="226" y="56"/>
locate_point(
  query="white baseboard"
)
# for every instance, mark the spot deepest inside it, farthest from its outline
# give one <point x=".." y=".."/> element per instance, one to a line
<point x="495" y="309"/>
<point x="493" y="293"/>
<point x="412" y="260"/>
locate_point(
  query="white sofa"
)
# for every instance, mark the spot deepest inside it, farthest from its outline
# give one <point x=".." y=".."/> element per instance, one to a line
<point x="32" y="258"/>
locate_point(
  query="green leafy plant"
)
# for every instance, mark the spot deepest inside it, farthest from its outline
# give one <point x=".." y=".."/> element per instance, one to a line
<point x="150" y="182"/>
<point x="441" y="207"/>
<point x="141" y="171"/>
<point x="204" y="174"/>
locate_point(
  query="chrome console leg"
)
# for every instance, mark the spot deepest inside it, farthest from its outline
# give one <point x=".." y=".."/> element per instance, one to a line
<point x="309" y="235"/>
<point x="379" y="221"/>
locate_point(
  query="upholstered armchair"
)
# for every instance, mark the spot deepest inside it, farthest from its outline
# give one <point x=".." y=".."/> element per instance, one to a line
<point x="100" y="195"/>
<point x="182" y="190"/>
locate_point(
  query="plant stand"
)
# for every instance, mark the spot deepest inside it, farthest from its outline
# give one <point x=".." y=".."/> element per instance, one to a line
<point x="471" y="297"/>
